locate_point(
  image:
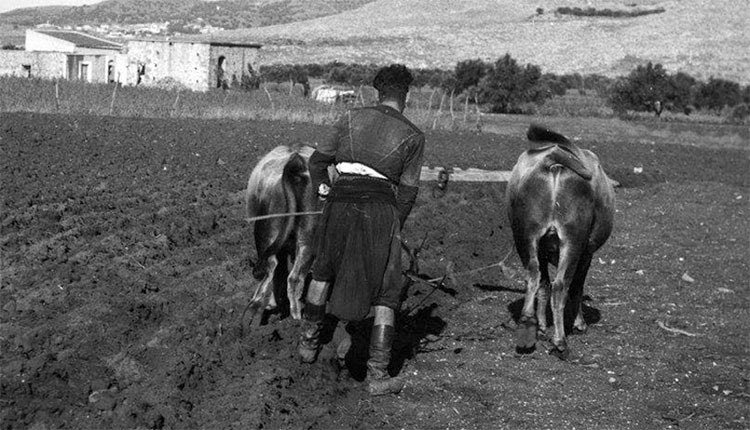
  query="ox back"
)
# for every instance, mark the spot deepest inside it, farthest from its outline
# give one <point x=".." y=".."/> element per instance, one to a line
<point x="561" y="207"/>
<point x="280" y="184"/>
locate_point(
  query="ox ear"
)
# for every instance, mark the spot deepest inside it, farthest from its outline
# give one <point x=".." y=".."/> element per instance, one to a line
<point x="538" y="133"/>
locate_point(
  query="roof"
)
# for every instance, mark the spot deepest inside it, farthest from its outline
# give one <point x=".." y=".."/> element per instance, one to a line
<point x="235" y="44"/>
<point x="81" y="40"/>
<point x="211" y="42"/>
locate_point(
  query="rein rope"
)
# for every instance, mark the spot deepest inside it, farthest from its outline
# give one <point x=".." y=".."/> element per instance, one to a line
<point x="282" y="215"/>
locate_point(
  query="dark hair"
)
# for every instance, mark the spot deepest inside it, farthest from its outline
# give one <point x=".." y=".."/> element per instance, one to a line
<point x="393" y="80"/>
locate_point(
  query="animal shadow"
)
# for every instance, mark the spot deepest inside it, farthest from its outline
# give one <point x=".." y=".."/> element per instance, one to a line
<point x="591" y="314"/>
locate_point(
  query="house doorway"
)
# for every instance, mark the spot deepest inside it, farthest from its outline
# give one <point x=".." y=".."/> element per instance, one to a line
<point x="221" y="73"/>
<point x="84" y="72"/>
<point x="110" y="71"/>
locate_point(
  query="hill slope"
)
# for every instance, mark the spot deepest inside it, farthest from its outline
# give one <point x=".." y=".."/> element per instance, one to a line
<point x="222" y="13"/>
<point x="695" y="36"/>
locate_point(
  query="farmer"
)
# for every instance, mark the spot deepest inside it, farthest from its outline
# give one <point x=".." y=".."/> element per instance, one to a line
<point x="357" y="269"/>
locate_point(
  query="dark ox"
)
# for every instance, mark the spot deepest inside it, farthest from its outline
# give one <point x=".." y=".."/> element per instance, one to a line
<point x="561" y="208"/>
<point x="280" y="184"/>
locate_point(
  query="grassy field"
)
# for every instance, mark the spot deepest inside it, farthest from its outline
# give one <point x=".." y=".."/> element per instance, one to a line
<point x="430" y="110"/>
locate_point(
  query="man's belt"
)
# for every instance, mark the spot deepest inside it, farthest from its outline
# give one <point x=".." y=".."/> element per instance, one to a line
<point x="352" y="188"/>
<point x="346" y="167"/>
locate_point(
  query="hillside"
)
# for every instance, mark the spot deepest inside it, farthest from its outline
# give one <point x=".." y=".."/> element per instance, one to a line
<point x="695" y="36"/>
<point x="222" y="13"/>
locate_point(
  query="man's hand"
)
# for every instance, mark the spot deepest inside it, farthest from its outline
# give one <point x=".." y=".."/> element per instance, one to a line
<point x="323" y="191"/>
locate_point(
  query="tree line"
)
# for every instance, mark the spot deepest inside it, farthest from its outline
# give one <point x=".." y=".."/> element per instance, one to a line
<point x="506" y="86"/>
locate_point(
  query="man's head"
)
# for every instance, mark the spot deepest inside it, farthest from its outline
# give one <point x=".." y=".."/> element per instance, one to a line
<point x="392" y="83"/>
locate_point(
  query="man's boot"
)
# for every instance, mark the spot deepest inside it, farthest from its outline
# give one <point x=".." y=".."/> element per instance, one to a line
<point x="379" y="382"/>
<point x="312" y="325"/>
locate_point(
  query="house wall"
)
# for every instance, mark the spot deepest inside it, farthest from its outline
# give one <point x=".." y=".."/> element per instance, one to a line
<point x="236" y="59"/>
<point x="48" y="65"/>
<point x="97" y="67"/>
<point x="185" y="62"/>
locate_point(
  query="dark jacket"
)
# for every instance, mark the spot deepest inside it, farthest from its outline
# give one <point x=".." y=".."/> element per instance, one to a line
<point x="379" y="137"/>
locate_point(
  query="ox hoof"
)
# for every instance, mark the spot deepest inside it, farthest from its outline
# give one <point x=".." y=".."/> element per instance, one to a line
<point x="560" y="351"/>
<point x="579" y="330"/>
<point x="580" y="326"/>
<point x="526" y="335"/>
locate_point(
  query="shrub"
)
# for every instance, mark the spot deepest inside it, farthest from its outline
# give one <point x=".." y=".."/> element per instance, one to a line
<point x="507" y="86"/>
<point x="170" y="84"/>
<point x="717" y="93"/>
<point x="577" y="11"/>
<point x="468" y="73"/>
<point x="600" y="84"/>
<point x="640" y="89"/>
<point x="680" y="90"/>
<point x="739" y="114"/>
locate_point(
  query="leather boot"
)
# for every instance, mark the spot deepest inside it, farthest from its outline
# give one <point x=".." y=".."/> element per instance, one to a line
<point x="312" y="324"/>
<point x="379" y="382"/>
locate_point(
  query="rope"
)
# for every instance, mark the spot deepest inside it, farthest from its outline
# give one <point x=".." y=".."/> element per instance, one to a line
<point x="478" y="269"/>
<point x="257" y="218"/>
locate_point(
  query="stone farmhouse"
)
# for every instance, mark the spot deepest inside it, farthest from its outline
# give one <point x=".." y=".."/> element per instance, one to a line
<point x="199" y="66"/>
<point x="66" y="54"/>
<point x="62" y="54"/>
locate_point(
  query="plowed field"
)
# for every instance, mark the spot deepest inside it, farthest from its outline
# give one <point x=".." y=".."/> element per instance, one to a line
<point x="126" y="268"/>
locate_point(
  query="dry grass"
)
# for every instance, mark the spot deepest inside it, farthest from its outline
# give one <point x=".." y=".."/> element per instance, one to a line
<point x="427" y="109"/>
<point x="701" y="38"/>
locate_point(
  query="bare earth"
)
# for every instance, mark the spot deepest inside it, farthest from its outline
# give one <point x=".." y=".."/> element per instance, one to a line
<point x="126" y="267"/>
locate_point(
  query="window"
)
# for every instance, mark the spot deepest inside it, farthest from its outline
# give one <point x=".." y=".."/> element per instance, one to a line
<point x="26" y="70"/>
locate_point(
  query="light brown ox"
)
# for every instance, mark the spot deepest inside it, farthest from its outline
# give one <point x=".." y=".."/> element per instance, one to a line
<point x="280" y="184"/>
<point x="561" y="206"/>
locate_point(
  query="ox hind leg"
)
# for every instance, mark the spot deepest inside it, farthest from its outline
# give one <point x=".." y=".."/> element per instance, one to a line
<point x="264" y="291"/>
<point x="542" y="298"/>
<point x="526" y="330"/>
<point x="303" y="260"/>
<point x="576" y="292"/>
<point x="268" y="238"/>
<point x="566" y="269"/>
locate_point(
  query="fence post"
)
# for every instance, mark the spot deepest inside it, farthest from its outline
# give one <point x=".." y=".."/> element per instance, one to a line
<point x="479" y="113"/>
<point x="466" y="108"/>
<point x="453" y="117"/>
<point x="439" y="112"/>
<point x="174" y="105"/>
<point x="112" y="103"/>
<point x="273" y="108"/>
<point x="57" y="95"/>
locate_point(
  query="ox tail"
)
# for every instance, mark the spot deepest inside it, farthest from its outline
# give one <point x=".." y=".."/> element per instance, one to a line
<point x="538" y="133"/>
<point x="558" y="156"/>
<point x="294" y="179"/>
<point x="563" y="152"/>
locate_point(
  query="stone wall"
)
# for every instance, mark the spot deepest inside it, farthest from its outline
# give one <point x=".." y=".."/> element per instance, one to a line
<point x="235" y="61"/>
<point x="185" y="62"/>
<point x="48" y="65"/>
